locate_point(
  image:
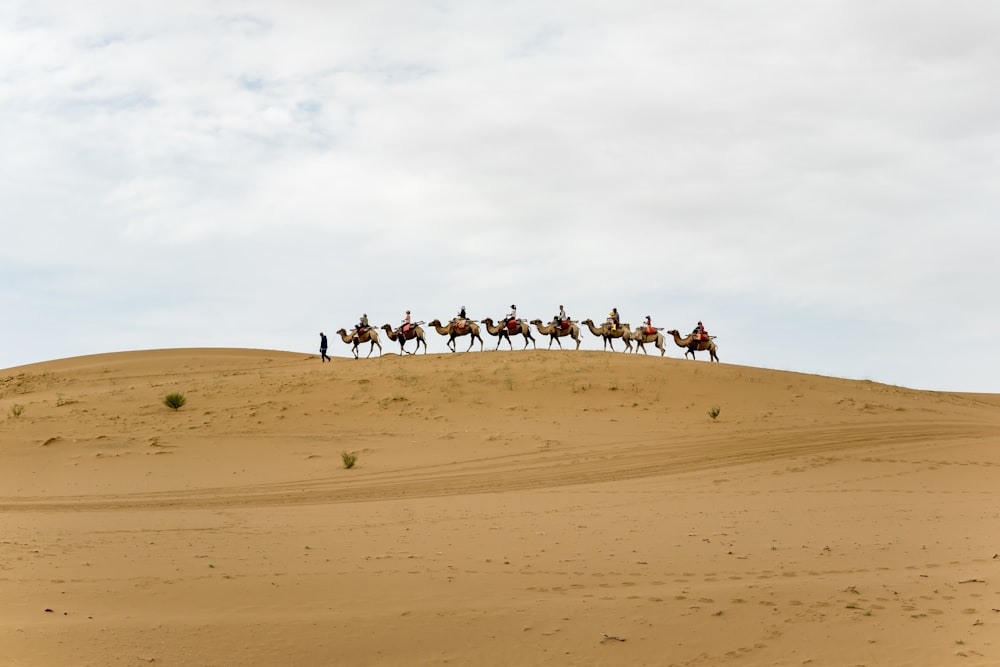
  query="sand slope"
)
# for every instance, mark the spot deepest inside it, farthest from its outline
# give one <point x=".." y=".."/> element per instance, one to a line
<point x="508" y="508"/>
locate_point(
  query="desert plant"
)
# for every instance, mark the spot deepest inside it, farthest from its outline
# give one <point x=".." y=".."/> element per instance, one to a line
<point x="16" y="411"/>
<point x="714" y="411"/>
<point x="349" y="459"/>
<point x="174" y="400"/>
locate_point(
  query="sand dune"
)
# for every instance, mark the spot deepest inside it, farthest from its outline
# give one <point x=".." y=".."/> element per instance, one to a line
<point x="507" y="508"/>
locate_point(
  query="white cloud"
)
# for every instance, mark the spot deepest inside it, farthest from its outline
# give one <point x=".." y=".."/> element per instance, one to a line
<point x="822" y="163"/>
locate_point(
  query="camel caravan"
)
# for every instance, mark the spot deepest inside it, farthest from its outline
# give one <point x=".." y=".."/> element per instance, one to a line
<point x="511" y="326"/>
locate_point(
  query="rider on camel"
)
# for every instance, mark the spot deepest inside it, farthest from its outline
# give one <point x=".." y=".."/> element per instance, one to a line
<point x="699" y="332"/>
<point x="648" y="323"/>
<point x="361" y="326"/>
<point x="614" y="319"/>
<point x="405" y="326"/>
<point x="511" y="316"/>
<point x="561" y="320"/>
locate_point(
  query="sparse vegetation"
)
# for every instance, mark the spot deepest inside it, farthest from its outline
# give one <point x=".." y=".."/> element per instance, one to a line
<point x="349" y="459"/>
<point x="174" y="400"/>
<point x="714" y="412"/>
<point x="15" y="411"/>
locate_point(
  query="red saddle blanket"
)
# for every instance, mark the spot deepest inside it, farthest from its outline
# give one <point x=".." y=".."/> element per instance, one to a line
<point x="563" y="324"/>
<point x="513" y="325"/>
<point x="651" y="330"/>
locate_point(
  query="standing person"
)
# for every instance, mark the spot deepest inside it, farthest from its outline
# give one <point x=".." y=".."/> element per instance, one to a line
<point x="323" y="347"/>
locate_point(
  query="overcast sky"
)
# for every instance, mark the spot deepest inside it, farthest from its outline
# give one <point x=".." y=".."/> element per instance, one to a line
<point x="819" y="182"/>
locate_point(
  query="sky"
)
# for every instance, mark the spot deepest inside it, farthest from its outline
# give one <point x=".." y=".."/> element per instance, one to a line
<point x="816" y="181"/>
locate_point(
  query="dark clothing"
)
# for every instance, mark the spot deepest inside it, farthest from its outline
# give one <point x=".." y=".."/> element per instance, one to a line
<point x="323" y="348"/>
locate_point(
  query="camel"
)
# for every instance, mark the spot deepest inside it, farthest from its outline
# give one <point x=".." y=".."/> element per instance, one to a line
<point x="692" y="345"/>
<point x="555" y="334"/>
<point x="640" y="337"/>
<point x="370" y="335"/>
<point x="608" y="335"/>
<point x="414" y="332"/>
<point x="453" y="331"/>
<point x="502" y="332"/>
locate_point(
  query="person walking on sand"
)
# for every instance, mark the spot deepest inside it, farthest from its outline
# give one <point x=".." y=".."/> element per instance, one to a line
<point x="323" y="347"/>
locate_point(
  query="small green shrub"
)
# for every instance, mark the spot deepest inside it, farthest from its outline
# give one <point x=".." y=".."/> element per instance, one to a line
<point x="349" y="458"/>
<point x="174" y="400"/>
<point x="714" y="411"/>
<point x="16" y="411"/>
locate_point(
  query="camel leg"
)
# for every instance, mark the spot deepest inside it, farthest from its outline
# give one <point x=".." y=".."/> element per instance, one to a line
<point x="577" y="343"/>
<point x="472" y="341"/>
<point x="480" y="344"/>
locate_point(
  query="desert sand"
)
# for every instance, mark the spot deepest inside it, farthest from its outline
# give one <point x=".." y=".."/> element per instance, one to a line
<point x="506" y="508"/>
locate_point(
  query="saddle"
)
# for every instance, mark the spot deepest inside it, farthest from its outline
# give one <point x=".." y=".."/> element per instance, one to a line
<point x="651" y="330"/>
<point x="461" y="323"/>
<point x="513" y="325"/>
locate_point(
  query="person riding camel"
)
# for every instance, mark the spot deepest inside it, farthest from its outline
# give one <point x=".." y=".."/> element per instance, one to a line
<point x="613" y="319"/>
<point x="361" y="326"/>
<point x="405" y="326"/>
<point x="648" y="323"/>
<point x="699" y="332"/>
<point x="561" y="320"/>
<point x="511" y="316"/>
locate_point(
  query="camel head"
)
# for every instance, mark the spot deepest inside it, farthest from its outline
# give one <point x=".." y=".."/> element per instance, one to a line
<point x="487" y="321"/>
<point x="341" y="332"/>
<point x="434" y="323"/>
<point x="673" y="332"/>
